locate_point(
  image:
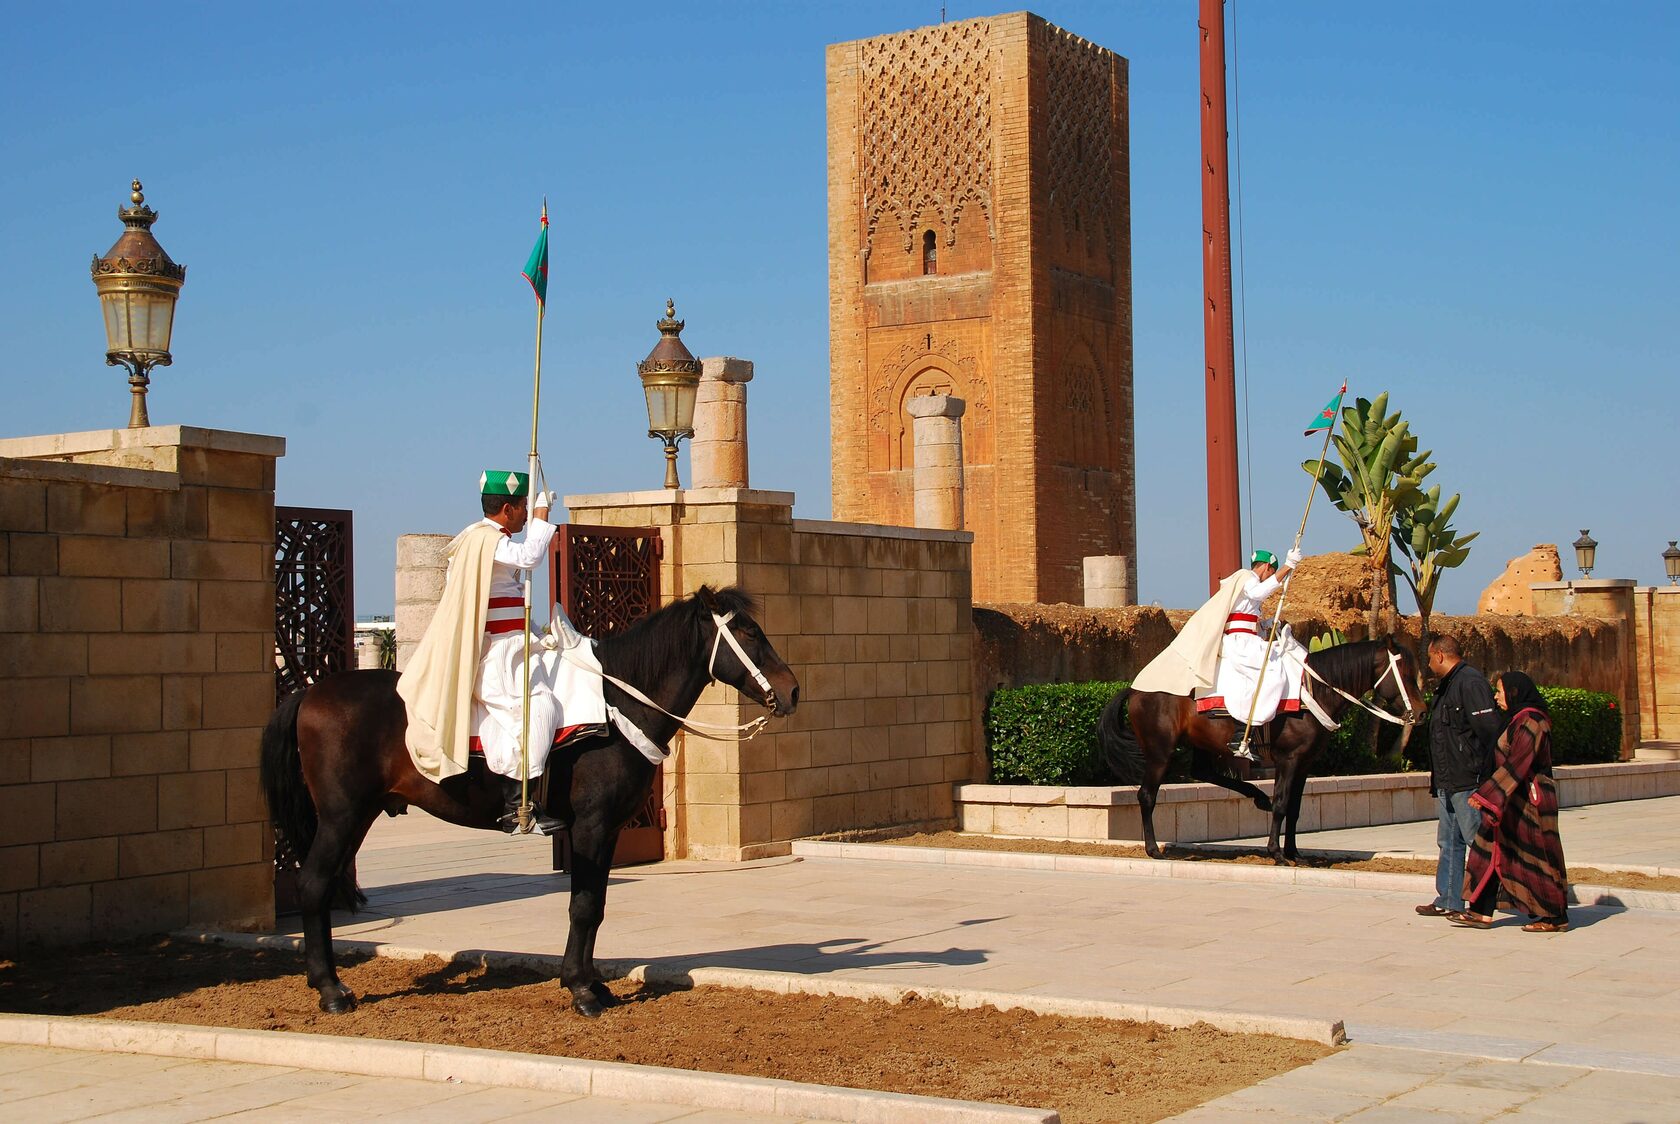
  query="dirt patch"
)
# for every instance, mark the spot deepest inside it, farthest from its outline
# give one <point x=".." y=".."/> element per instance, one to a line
<point x="1090" y="1070"/>
<point x="1618" y="879"/>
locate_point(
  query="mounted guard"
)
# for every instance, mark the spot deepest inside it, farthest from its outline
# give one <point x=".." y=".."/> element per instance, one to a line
<point x="465" y="687"/>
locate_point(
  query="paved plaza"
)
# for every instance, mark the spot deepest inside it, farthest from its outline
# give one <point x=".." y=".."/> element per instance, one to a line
<point x="1447" y="1024"/>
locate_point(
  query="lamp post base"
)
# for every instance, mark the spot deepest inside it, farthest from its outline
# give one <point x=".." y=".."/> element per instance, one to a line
<point x="137" y="416"/>
<point x="671" y="480"/>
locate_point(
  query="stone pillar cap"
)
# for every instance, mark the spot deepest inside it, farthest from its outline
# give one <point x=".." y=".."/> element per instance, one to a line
<point x="936" y="406"/>
<point x="726" y="368"/>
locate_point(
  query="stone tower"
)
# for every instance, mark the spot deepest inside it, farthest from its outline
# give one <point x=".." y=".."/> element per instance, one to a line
<point x="979" y="241"/>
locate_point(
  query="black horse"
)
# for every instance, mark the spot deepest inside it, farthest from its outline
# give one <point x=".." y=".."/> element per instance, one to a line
<point x="1136" y="747"/>
<point x="333" y="758"/>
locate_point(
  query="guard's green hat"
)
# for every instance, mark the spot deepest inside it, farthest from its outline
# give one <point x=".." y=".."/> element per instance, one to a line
<point x="510" y="484"/>
<point x="1265" y="556"/>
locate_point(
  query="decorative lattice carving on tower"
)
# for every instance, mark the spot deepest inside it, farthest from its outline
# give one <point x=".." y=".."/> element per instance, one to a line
<point x="927" y="130"/>
<point x="1081" y="161"/>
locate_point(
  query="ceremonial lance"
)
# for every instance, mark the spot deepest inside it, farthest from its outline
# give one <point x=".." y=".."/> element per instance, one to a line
<point x="536" y="272"/>
<point x="1325" y="419"/>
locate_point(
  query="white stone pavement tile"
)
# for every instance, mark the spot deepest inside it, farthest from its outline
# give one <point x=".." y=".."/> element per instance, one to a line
<point x="477" y="1105"/>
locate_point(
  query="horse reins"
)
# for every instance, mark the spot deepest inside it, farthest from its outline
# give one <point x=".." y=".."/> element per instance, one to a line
<point x="1399" y="680"/>
<point x="694" y="726"/>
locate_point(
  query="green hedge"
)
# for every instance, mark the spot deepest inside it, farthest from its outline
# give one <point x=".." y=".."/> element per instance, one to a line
<point x="1046" y="733"/>
<point x="1586" y="725"/>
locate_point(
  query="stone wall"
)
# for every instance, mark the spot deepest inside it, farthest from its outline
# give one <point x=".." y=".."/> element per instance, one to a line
<point x="421" y="566"/>
<point x="136" y="673"/>
<point x="873" y="620"/>
<point x="1656" y="614"/>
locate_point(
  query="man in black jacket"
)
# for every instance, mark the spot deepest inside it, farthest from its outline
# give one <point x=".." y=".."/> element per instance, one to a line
<point x="1464" y="727"/>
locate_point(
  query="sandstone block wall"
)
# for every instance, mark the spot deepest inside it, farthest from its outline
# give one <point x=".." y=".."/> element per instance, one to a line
<point x="873" y="620"/>
<point x="421" y="566"/>
<point x="1656" y="614"/>
<point x="136" y="673"/>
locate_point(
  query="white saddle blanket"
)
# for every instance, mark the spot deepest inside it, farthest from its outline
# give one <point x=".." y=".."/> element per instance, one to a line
<point x="565" y="691"/>
<point x="1240" y="659"/>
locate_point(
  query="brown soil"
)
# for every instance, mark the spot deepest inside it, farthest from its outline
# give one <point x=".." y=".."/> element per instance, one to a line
<point x="1091" y="1070"/>
<point x="1619" y="879"/>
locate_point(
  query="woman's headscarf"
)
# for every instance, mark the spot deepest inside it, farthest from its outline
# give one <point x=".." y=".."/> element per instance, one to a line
<point x="1521" y="694"/>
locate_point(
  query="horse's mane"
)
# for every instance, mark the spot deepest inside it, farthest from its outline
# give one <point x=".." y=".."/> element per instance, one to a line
<point x="643" y="652"/>
<point x="1349" y="666"/>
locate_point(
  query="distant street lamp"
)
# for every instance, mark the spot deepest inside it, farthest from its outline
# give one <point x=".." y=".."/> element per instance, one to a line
<point x="1585" y="547"/>
<point x="671" y="379"/>
<point x="1671" y="563"/>
<point x="138" y="285"/>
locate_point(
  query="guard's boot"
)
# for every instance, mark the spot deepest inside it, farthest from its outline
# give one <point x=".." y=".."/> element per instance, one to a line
<point x="541" y="822"/>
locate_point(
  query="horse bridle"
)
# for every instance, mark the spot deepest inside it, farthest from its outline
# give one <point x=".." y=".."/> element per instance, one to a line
<point x="725" y="633"/>
<point x="710" y="730"/>
<point x="1399" y="681"/>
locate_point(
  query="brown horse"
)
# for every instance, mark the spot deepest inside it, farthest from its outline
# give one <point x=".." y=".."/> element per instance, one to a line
<point x="1137" y="747"/>
<point x="333" y="758"/>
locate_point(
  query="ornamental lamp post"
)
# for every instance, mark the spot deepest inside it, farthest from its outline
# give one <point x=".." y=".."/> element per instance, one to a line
<point x="671" y="379"/>
<point x="138" y="285"/>
<point x="1585" y="547"/>
<point x="1671" y="562"/>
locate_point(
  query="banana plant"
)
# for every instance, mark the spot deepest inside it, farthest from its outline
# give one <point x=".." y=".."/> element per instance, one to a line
<point x="1327" y="640"/>
<point x="1430" y="545"/>
<point x="1379" y="478"/>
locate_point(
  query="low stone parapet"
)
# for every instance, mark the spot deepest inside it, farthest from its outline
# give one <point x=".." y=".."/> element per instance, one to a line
<point x="1197" y="813"/>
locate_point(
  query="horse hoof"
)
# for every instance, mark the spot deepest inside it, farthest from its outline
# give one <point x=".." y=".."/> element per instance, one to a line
<point x="339" y="1002"/>
<point x="603" y="995"/>
<point x="1152" y="852"/>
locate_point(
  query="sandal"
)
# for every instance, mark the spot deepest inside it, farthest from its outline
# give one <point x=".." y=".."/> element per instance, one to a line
<point x="1471" y="921"/>
<point x="1432" y="910"/>
<point x="1546" y="927"/>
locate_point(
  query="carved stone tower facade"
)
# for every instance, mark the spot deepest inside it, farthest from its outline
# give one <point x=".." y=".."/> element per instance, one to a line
<point x="979" y="239"/>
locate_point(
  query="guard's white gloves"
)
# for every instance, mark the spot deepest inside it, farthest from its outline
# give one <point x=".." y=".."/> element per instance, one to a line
<point x="1293" y="558"/>
<point x="543" y="501"/>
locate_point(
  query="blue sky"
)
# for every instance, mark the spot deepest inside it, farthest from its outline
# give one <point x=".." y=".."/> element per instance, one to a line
<point x="1470" y="206"/>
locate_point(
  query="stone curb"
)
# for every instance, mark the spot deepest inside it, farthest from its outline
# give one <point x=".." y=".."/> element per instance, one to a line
<point x="373" y="1057"/>
<point x="1326" y="1031"/>
<point x="1579" y="894"/>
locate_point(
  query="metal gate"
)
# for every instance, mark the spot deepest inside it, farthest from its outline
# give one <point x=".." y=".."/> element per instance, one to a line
<point x="314" y="606"/>
<point x="607" y="579"/>
<point x="314" y="627"/>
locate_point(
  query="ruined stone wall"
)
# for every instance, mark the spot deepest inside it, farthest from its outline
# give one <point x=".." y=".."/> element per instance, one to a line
<point x="136" y="673"/>
<point x="1017" y="644"/>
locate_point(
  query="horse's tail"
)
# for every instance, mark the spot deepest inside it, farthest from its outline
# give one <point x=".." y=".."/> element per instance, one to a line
<point x="290" y="807"/>
<point x="1121" y="752"/>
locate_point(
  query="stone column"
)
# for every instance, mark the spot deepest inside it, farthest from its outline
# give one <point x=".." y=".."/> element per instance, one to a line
<point x="367" y="651"/>
<point x="421" y="565"/>
<point x="718" y="451"/>
<point x="938" y="471"/>
<point x="1108" y="581"/>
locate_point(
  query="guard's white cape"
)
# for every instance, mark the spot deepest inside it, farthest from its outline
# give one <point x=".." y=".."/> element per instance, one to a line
<point x="1191" y="661"/>
<point x="437" y="685"/>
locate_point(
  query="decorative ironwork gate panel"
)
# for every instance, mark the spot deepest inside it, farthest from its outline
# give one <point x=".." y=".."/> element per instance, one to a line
<point x="607" y="579"/>
<point x="314" y="608"/>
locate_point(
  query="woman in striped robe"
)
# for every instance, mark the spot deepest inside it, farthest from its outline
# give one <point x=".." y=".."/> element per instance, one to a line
<point x="1518" y="845"/>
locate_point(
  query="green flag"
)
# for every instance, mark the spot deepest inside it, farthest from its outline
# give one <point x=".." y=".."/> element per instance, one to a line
<point x="536" y="266"/>
<point x="1326" y="417"/>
